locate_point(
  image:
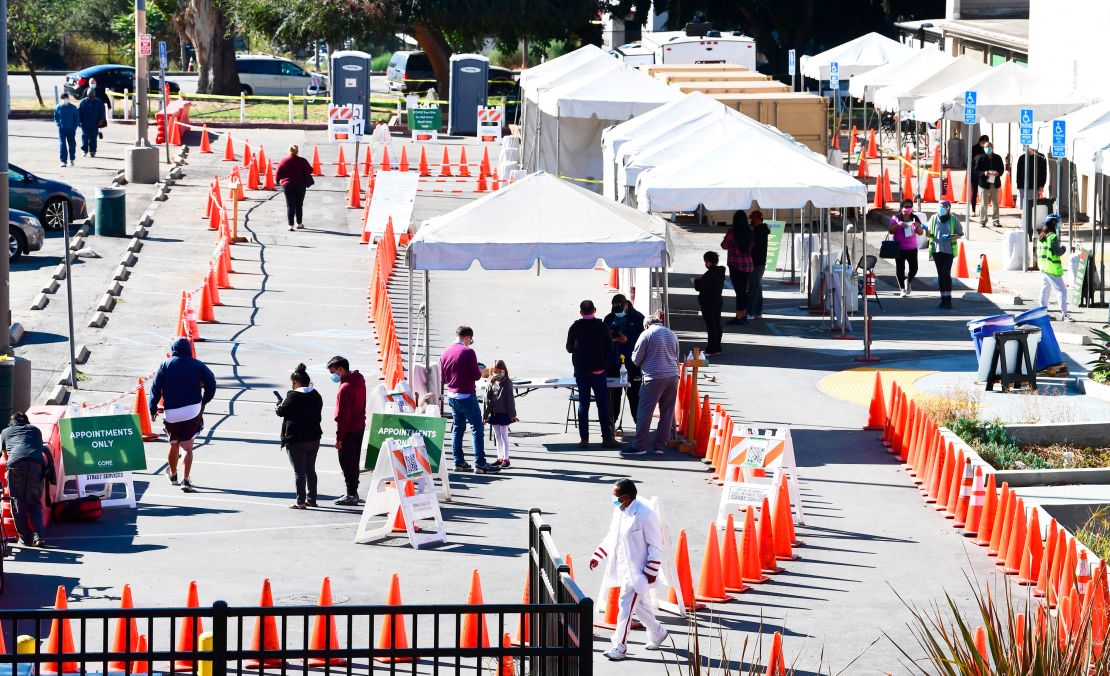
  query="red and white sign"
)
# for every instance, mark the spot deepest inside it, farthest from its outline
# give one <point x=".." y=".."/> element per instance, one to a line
<point x="144" y="44"/>
<point x="345" y="123"/>
<point x="490" y="119"/>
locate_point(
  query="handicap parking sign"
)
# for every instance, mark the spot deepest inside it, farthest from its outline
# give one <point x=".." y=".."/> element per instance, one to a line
<point x="971" y="104"/>
<point x="1026" y="126"/>
<point x="834" y="75"/>
<point x="1059" y="138"/>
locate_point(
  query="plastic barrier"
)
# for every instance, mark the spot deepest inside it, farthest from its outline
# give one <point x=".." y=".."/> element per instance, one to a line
<point x="981" y="328"/>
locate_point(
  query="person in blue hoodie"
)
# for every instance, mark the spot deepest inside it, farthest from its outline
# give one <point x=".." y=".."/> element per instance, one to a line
<point x="67" y="120"/>
<point x="185" y="386"/>
<point x="91" y="114"/>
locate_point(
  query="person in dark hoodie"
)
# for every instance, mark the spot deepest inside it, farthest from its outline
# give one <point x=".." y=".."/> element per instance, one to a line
<point x="711" y="288"/>
<point x="184" y="385"/>
<point x="350" y="423"/>
<point x="589" y="344"/>
<point x="301" y="412"/>
<point x="625" y="324"/>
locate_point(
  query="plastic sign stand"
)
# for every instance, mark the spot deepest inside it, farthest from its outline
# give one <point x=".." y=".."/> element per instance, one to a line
<point x="107" y="484"/>
<point x="756" y="458"/>
<point x="407" y="464"/>
<point x="668" y="574"/>
<point x="490" y="120"/>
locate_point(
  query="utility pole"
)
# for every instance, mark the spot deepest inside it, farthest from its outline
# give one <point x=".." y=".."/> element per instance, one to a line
<point x="5" y="269"/>
<point x="141" y="159"/>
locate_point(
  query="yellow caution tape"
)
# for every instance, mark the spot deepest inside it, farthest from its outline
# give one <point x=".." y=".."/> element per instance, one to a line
<point x="580" y="180"/>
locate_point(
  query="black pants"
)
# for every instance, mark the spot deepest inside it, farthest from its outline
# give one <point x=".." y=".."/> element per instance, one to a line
<point x="350" y="456"/>
<point x="294" y="202"/>
<point x="302" y="456"/>
<point x="635" y="379"/>
<point x="712" y="318"/>
<point x="740" y="286"/>
<point x="944" y="272"/>
<point x="89" y="137"/>
<point x="25" y="482"/>
<point x="974" y="194"/>
<point x="905" y="256"/>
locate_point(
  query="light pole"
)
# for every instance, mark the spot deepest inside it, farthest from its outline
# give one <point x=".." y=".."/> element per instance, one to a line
<point x="141" y="159"/>
<point x="5" y="270"/>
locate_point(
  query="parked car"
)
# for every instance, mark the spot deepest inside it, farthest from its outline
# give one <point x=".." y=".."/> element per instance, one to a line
<point x="409" y="72"/>
<point x="266" y="75"/>
<point x="44" y="197"/>
<point x="113" y="77"/>
<point x="25" y="234"/>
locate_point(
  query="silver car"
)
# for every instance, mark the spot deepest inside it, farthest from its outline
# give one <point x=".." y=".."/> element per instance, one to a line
<point x="25" y="234"/>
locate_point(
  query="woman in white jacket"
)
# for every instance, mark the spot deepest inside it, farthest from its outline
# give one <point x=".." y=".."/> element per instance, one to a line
<point x="635" y="545"/>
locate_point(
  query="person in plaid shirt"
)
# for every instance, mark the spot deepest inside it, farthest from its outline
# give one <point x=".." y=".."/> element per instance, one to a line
<point x="738" y="242"/>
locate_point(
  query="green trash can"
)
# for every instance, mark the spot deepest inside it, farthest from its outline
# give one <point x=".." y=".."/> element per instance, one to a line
<point x="111" y="212"/>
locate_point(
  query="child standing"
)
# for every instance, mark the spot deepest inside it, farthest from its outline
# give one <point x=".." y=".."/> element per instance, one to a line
<point x="500" y="409"/>
<point x="710" y="287"/>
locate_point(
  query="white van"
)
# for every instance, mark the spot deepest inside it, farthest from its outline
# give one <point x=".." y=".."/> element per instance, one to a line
<point x="267" y="75"/>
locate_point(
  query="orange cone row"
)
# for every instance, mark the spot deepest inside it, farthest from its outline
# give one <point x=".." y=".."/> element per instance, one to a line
<point x="381" y="308"/>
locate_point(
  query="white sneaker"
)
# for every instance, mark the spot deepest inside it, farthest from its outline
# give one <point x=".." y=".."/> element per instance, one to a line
<point x="656" y="643"/>
<point x="615" y="654"/>
<point x="908" y="290"/>
<point x="1068" y="318"/>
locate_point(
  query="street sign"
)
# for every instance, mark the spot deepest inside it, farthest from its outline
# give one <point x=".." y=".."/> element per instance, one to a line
<point x="971" y="104"/>
<point x="834" y="75"/>
<point x="424" y="123"/>
<point x="144" y="44"/>
<point x="489" y="123"/>
<point x="1026" y="126"/>
<point x="1059" y="138"/>
<point x="163" y="60"/>
<point x="345" y="123"/>
<point x="792" y="63"/>
<point x="101" y="443"/>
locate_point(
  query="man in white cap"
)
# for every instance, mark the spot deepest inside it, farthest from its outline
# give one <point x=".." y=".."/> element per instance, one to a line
<point x="635" y="545"/>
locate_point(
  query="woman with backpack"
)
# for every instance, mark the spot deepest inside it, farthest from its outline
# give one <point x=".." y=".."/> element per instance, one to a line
<point x="30" y="466"/>
<point x="905" y="226"/>
<point x="301" y="412"/>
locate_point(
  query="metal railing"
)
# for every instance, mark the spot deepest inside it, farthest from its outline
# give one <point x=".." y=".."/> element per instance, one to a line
<point x="557" y="638"/>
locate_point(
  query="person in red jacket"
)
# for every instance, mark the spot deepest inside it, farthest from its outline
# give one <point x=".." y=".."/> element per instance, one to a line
<point x="350" y="423"/>
<point x="294" y="175"/>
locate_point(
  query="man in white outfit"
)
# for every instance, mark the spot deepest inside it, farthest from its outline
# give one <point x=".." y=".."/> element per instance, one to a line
<point x="635" y="545"/>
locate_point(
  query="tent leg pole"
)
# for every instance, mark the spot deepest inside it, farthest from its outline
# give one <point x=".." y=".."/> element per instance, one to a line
<point x="408" y="329"/>
<point x="428" y="329"/>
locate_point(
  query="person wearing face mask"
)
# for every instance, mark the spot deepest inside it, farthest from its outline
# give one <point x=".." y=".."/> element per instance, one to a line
<point x="500" y="409"/>
<point x="1049" y="251"/>
<point x="906" y="226"/>
<point x="300" y="413"/>
<point x="634" y="550"/>
<point x="92" y="116"/>
<point x="350" y="423"/>
<point x="760" y="236"/>
<point x="589" y="344"/>
<point x="459" y="371"/>
<point x="944" y="228"/>
<point x="625" y="324"/>
<point x="976" y="153"/>
<point x="989" y="168"/>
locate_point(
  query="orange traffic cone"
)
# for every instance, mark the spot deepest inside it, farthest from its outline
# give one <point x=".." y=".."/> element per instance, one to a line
<point x="930" y="195"/>
<point x="612" y="608"/>
<point x="852" y="138"/>
<point x="524" y="623"/>
<point x="876" y="415"/>
<point x="947" y="194"/>
<point x="175" y="132"/>
<point x="140" y="666"/>
<point x="872" y="148"/>
<point x="393" y="634"/>
<point x="126" y="638"/>
<point x="1033" y="555"/>
<point x="776" y="663"/>
<point x="965" y="193"/>
<point x="767" y="540"/>
<point x="141" y="407"/>
<point x="474" y="624"/>
<point x="685" y="580"/>
<point x="570" y="564"/>
<point x="984" y="275"/>
<point x="1048" y="556"/>
<point x="260" y="160"/>
<point x="325" y="635"/>
<point x="386" y="165"/>
<point x="730" y="560"/>
<point x="248" y="157"/>
<point x="983" y="499"/>
<point x="963" y="498"/>
<point x="981" y="648"/>
<point x="495" y="182"/>
<point x="341" y="164"/>
<point x="908" y="164"/>
<point x="210" y="280"/>
<point x="880" y="201"/>
<point x="205" y="145"/>
<point x="507" y="665"/>
<point x="782" y="526"/>
<point x="265" y="633"/>
<point x="484" y="166"/>
<point x="423" y="167"/>
<point x="711" y="584"/>
<point x="367" y="161"/>
<point x="190" y="630"/>
<point x="229" y="150"/>
<point x="206" y="313"/>
<point x="269" y="183"/>
<point x="252" y="176"/>
<point x="354" y="191"/>
<point x="464" y="167"/>
<point x="60" y="640"/>
<point x="935" y="170"/>
<point x="1002" y="520"/>
<point x="404" y="164"/>
<point x="961" y="262"/>
<point x="1015" y="545"/>
<point x="481" y="187"/>
<point x="317" y="170"/>
<point x="1006" y="195"/>
<point x="445" y="165"/>
<point x="749" y="550"/>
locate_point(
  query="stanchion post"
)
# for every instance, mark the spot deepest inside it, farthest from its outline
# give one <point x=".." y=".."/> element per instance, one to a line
<point x="242" y="107"/>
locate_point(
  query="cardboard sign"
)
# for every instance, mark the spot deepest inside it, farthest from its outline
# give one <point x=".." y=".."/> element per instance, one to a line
<point x="385" y="426"/>
<point x="98" y="444"/>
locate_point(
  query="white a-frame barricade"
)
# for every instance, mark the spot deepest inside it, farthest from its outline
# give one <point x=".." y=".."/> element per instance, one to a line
<point x="402" y="483"/>
<point x="756" y="458"/>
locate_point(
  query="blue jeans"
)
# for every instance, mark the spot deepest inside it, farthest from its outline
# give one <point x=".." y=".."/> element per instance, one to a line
<point x="67" y="138"/>
<point x="467" y="412"/>
<point x="596" y="385"/>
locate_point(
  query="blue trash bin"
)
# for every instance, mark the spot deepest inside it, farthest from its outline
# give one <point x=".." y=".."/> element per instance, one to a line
<point x="988" y="326"/>
<point x="1048" y="350"/>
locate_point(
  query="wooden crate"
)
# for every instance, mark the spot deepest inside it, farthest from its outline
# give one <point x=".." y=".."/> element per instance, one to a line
<point x="718" y="87"/>
<point x="655" y="68"/>
<point x="678" y="78"/>
<point x="803" y="116"/>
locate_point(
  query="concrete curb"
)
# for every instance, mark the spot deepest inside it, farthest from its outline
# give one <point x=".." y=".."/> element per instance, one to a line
<point x="98" y="321"/>
<point x="128" y="260"/>
<point x="58" y="396"/>
<point x="1079" y="433"/>
<point x="1073" y="338"/>
<point x="82" y="354"/>
<point x="1025" y="478"/>
<point x="16" y="333"/>
<point x="60" y="271"/>
<point x="122" y="273"/>
<point x="41" y="301"/>
<point x="52" y="287"/>
<point x="107" y="303"/>
<point x="135" y="246"/>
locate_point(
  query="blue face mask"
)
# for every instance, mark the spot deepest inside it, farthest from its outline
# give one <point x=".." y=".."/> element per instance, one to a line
<point x="335" y="378"/>
<point x="621" y="314"/>
<point x="616" y="502"/>
<point x="943" y="211"/>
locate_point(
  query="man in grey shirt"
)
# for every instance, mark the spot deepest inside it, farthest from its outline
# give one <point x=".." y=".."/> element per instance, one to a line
<point x="21" y="442"/>
<point x="656" y="353"/>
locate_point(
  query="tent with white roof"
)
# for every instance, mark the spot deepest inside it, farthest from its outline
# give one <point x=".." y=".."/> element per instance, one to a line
<point x="855" y="57"/>
<point x="1002" y="92"/>
<point x="865" y="85"/>
<point x="902" y="95"/>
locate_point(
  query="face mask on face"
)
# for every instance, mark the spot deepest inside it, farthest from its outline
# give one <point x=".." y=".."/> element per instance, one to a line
<point x="616" y="502"/>
<point x="987" y="150"/>
<point x="620" y="314"/>
<point x="335" y="378"/>
<point x="943" y="211"/>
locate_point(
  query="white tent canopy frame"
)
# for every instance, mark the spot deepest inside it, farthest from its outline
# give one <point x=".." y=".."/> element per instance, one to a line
<point x="855" y="57"/>
<point x="538" y="220"/>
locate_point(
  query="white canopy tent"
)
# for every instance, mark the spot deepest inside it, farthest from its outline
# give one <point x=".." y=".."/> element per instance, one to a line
<point x="902" y="95"/>
<point x="855" y="57"/>
<point x="683" y="110"/>
<point x="559" y="66"/>
<point x="540" y="220"/>
<point x="865" y="85"/>
<point x="1085" y="127"/>
<point x="572" y="117"/>
<point x="1002" y="92"/>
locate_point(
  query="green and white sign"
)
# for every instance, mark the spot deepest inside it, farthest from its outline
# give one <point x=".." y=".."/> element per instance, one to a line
<point x="396" y="426"/>
<point x="1081" y="263"/>
<point x="99" y="444"/>
<point x="774" y="242"/>
<point x="424" y="123"/>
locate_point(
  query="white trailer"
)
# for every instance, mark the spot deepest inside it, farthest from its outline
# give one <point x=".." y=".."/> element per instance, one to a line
<point x="671" y="47"/>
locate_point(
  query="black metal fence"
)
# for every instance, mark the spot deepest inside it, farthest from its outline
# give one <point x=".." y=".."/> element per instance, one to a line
<point x="554" y="630"/>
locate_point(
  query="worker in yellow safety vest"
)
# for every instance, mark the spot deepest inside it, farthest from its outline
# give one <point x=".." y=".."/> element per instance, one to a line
<point x="1049" y="251"/>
